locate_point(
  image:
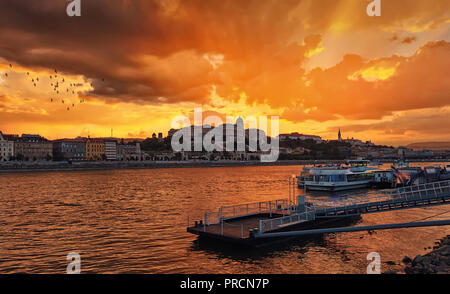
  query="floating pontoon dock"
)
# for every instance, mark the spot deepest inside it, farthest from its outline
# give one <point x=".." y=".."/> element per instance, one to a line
<point x="255" y="223"/>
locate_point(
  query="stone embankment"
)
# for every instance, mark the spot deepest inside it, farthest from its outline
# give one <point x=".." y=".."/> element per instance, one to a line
<point x="105" y="165"/>
<point x="435" y="262"/>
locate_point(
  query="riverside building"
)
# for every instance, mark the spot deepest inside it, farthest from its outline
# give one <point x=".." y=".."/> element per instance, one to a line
<point x="33" y="147"/>
<point x="69" y="149"/>
<point x="95" y="149"/>
<point x="111" y="150"/>
<point x="6" y="148"/>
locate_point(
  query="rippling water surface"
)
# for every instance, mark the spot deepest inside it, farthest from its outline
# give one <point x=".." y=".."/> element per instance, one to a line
<point x="134" y="221"/>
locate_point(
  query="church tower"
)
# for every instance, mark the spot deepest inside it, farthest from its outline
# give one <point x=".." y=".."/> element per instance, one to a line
<point x="339" y="136"/>
<point x="240" y="121"/>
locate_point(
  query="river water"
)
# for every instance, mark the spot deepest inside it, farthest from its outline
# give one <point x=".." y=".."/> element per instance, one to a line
<point x="134" y="221"/>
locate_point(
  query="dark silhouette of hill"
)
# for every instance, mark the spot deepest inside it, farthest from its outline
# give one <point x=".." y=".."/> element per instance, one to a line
<point x="430" y="146"/>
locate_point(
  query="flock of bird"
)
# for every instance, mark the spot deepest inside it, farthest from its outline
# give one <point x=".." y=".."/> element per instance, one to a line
<point x="58" y="86"/>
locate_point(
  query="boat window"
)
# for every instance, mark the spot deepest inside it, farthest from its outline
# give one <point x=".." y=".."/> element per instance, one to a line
<point x="324" y="178"/>
<point x="359" y="177"/>
<point x="337" y="178"/>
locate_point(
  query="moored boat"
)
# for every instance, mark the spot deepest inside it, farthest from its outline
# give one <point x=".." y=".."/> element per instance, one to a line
<point x="356" y="174"/>
<point x="384" y="179"/>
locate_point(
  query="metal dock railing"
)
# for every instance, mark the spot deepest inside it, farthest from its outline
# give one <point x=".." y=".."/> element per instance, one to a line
<point x="406" y="197"/>
<point x="285" y="221"/>
<point x="237" y="220"/>
<point x="271" y="218"/>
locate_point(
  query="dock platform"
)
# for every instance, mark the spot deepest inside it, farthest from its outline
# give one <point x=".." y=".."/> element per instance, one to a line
<point x="251" y="223"/>
<point x="238" y="228"/>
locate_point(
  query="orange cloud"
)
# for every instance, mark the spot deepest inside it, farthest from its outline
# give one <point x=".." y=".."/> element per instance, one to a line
<point x="409" y="40"/>
<point x="397" y="83"/>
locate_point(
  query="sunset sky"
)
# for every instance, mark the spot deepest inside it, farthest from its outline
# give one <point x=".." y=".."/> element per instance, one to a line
<point x="319" y="65"/>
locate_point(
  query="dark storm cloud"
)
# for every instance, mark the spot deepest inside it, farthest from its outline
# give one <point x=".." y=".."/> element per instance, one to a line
<point x="140" y="48"/>
<point x="103" y="43"/>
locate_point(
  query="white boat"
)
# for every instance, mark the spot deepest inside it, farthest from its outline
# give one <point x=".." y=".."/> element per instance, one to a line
<point x="384" y="178"/>
<point x="355" y="174"/>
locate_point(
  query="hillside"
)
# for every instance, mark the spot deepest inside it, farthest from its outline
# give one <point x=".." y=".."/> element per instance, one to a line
<point x="430" y="146"/>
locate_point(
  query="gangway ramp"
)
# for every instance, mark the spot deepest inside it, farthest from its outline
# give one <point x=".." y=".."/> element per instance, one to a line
<point x="431" y="194"/>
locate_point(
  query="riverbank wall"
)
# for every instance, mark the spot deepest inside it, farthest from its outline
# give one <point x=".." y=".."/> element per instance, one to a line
<point x="78" y="166"/>
<point x="11" y="167"/>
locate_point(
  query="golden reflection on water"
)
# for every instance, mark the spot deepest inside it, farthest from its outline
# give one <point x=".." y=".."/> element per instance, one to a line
<point x="134" y="221"/>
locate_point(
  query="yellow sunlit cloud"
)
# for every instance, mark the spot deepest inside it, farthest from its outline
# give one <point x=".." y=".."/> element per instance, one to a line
<point x="315" y="51"/>
<point x="374" y="73"/>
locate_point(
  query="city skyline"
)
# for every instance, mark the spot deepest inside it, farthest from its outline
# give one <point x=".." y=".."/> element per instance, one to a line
<point x="318" y="66"/>
<point x="160" y="135"/>
<point x="281" y="136"/>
